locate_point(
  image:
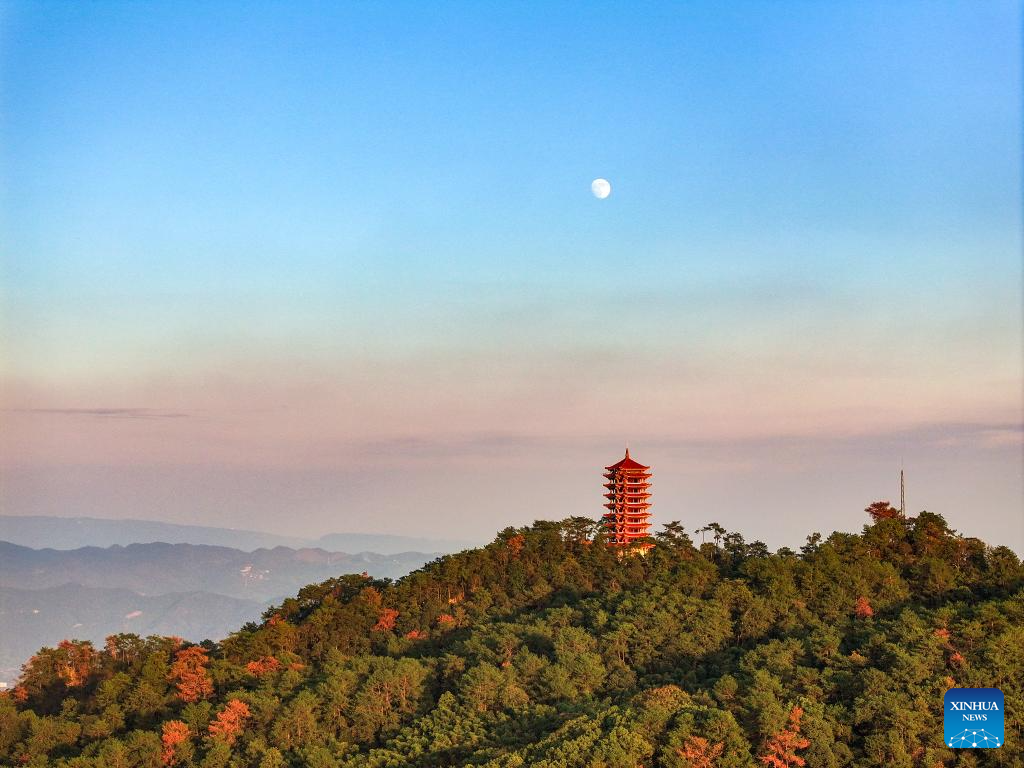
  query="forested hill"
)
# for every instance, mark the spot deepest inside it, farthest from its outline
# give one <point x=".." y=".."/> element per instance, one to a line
<point x="545" y="649"/>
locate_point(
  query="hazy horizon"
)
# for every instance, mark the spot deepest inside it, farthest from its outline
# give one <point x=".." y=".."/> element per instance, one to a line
<point x="341" y="270"/>
<point x="793" y="504"/>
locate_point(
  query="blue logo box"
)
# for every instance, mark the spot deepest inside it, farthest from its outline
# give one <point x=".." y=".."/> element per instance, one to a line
<point x="973" y="718"/>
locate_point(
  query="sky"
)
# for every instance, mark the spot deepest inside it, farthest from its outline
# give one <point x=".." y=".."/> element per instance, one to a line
<point x="312" y="267"/>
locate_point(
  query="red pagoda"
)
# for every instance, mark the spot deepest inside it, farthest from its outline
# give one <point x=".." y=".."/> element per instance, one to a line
<point x="626" y="521"/>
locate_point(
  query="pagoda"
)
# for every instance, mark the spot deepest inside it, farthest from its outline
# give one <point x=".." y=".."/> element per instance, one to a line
<point x="626" y="522"/>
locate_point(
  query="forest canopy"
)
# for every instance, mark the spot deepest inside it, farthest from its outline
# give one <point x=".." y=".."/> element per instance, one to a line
<point x="548" y="648"/>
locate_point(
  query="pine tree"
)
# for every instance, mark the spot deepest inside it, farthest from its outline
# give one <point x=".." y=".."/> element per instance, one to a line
<point x="780" y="749"/>
<point x="700" y="753"/>
<point x="174" y="734"/>
<point x="188" y="673"/>
<point x="228" y="724"/>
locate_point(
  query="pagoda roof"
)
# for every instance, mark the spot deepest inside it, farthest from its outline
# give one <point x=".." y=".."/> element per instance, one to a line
<point x="627" y="463"/>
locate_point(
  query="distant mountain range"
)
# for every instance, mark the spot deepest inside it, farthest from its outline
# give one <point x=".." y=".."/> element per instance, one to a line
<point x="74" y="532"/>
<point x="158" y="569"/>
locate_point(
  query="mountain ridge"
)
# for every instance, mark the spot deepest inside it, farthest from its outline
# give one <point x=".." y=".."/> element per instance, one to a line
<point x="160" y="567"/>
<point x="50" y="532"/>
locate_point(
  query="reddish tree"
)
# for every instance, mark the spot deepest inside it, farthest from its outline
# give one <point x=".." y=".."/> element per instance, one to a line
<point x="414" y="635"/>
<point x="957" y="659"/>
<point x="882" y="510"/>
<point x="445" y="618"/>
<point x="174" y="733"/>
<point x="863" y="608"/>
<point x="75" y="661"/>
<point x="515" y="544"/>
<point x="263" y="666"/>
<point x="188" y="673"/>
<point x="385" y="620"/>
<point x="20" y="694"/>
<point x="230" y="722"/>
<point x="700" y="753"/>
<point x="780" y="749"/>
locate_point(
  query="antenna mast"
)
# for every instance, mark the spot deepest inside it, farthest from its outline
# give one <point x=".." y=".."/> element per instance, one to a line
<point x="903" y="496"/>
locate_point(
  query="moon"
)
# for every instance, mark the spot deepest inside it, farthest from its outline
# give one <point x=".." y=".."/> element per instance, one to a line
<point x="601" y="188"/>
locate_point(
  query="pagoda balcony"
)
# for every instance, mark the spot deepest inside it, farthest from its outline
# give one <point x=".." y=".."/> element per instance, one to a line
<point x="627" y="531"/>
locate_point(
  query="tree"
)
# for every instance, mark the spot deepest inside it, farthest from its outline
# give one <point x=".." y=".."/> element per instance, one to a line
<point x="578" y="530"/>
<point x="298" y="725"/>
<point x="882" y="510"/>
<point x="386" y="620"/>
<point x="812" y="545"/>
<point x="780" y="749"/>
<point x="391" y="692"/>
<point x="700" y="753"/>
<point x="189" y="675"/>
<point x="77" y="661"/>
<point x="125" y="648"/>
<point x="674" y="536"/>
<point x="263" y="666"/>
<point x="718" y="531"/>
<point x="863" y="609"/>
<point x="46" y="676"/>
<point x="576" y="652"/>
<point x="230" y="721"/>
<point x="482" y="687"/>
<point x="175" y="733"/>
<point x="142" y="749"/>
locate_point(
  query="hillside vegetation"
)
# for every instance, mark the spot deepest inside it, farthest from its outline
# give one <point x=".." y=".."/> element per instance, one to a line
<point x="545" y="649"/>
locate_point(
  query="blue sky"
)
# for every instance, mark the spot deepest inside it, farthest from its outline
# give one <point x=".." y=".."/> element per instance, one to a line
<point x="371" y="225"/>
